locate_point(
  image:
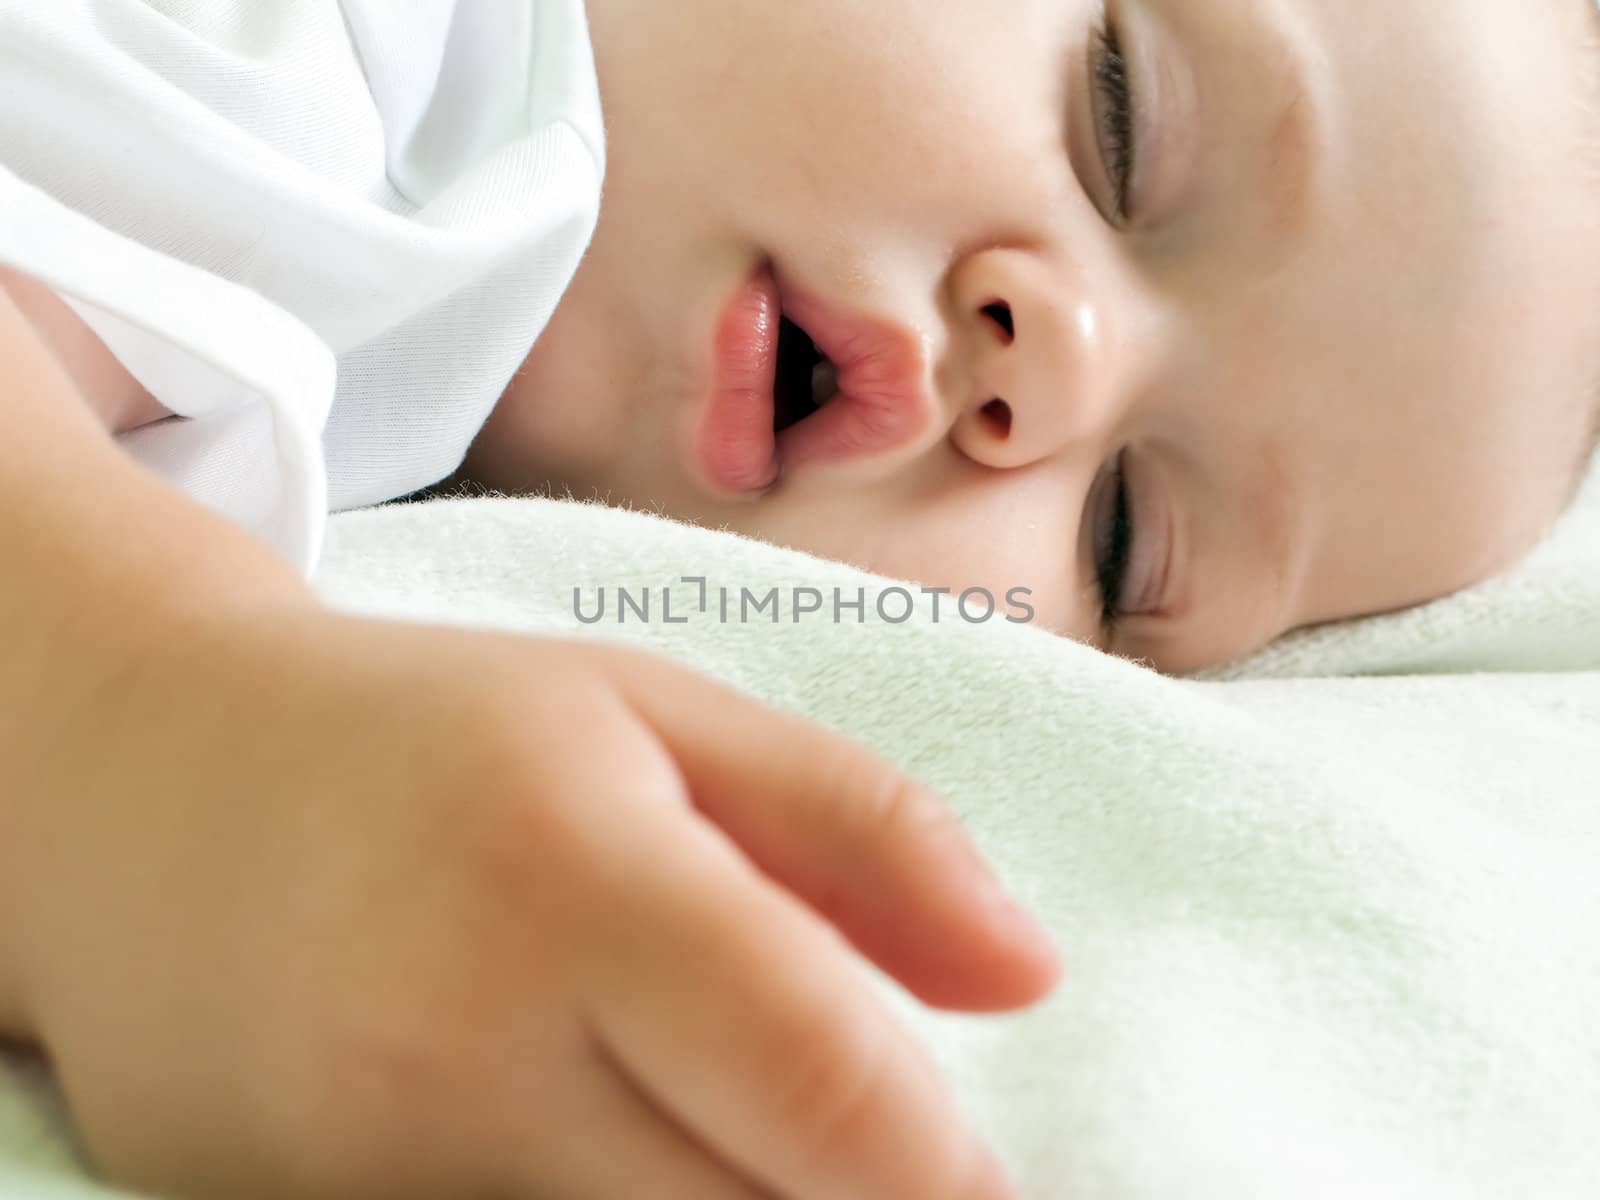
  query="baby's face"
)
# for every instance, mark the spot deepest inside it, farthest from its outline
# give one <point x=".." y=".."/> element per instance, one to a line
<point x="1318" y="291"/>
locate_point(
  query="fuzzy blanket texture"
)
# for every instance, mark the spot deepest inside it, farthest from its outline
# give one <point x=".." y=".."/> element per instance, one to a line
<point x="1331" y="917"/>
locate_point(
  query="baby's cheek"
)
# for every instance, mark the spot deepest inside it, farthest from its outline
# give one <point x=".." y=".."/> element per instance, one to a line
<point x="997" y="534"/>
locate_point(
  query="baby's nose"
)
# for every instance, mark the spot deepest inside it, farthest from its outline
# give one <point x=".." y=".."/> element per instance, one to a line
<point x="1033" y="347"/>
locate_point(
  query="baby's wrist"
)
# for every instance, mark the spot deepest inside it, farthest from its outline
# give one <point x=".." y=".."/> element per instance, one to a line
<point x="24" y="883"/>
<point x="88" y="795"/>
<point x="13" y="1024"/>
<point x="15" y="1017"/>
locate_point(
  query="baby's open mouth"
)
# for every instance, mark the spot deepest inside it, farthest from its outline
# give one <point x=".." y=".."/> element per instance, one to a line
<point x="806" y="378"/>
<point x="832" y="385"/>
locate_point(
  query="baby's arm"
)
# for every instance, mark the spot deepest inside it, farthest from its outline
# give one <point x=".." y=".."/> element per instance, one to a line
<point x="100" y="562"/>
<point x="306" y="906"/>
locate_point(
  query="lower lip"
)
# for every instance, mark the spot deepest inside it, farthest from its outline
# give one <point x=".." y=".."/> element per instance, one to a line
<point x="734" y="443"/>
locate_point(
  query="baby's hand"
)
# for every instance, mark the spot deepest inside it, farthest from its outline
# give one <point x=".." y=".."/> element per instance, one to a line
<point x="343" y="908"/>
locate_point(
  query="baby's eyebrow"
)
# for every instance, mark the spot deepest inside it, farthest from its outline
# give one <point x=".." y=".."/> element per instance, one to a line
<point x="1258" y="535"/>
<point x="1295" y="149"/>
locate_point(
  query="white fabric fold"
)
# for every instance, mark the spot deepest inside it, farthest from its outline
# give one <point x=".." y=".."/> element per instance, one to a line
<point x="403" y="190"/>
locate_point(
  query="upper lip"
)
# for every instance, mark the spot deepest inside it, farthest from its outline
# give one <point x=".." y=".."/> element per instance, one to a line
<point x="883" y="401"/>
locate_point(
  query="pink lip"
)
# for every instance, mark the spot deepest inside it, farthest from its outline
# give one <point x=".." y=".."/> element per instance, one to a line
<point x="735" y="445"/>
<point x="882" y="404"/>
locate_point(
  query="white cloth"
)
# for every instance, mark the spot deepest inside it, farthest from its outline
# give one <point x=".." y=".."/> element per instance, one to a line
<point x="325" y="232"/>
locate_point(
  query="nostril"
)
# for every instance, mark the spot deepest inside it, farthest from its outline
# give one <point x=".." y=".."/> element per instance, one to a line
<point x="997" y="416"/>
<point x="1000" y="313"/>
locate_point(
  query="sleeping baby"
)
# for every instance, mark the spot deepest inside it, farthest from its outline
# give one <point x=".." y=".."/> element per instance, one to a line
<point x="1199" y="322"/>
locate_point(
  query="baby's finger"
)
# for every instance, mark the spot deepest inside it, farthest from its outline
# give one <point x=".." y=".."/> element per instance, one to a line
<point x="747" y="1019"/>
<point x="878" y="855"/>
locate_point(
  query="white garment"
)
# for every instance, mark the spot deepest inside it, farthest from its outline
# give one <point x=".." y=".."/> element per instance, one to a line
<point x="325" y="232"/>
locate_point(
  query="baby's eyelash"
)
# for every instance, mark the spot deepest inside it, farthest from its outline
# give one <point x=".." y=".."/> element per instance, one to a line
<point x="1113" y="547"/>
<point x="1114" y="118"/>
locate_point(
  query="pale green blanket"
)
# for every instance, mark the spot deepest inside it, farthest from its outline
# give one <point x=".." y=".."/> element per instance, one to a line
<point x="1331" y="919"/>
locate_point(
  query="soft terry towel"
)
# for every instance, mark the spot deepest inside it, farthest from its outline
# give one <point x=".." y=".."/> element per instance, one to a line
<point x="1326" y="936"/>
